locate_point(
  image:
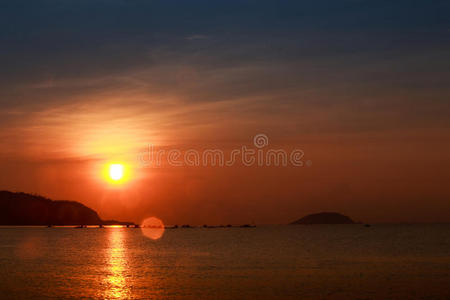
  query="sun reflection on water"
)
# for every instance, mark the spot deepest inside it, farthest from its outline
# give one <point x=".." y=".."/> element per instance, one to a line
<point x="116" y="280"/>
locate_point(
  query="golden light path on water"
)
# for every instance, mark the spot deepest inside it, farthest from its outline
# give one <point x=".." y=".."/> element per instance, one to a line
<point x="116" y="281"/>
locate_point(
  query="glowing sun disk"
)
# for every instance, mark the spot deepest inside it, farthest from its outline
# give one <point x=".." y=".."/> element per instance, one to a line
<point x="116" y="171"/>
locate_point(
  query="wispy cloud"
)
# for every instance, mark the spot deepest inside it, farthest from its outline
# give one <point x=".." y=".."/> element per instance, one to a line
<point x="197" y="37"/>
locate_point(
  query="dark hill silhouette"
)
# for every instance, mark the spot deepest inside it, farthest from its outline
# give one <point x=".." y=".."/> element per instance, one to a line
<point x="26" y="209"/>
<point x="324" y="218"/>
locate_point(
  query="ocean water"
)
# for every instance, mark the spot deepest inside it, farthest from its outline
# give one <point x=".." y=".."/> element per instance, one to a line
<point x="268" y="262"/>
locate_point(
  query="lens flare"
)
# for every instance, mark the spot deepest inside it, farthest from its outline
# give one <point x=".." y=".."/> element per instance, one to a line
<point x="152" y="228"/>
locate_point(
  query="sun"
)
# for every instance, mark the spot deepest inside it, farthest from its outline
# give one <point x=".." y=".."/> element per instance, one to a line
<point x="116" y="171"/>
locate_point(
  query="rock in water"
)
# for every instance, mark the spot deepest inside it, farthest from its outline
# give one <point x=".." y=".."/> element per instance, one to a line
<point x="324" y="218"/>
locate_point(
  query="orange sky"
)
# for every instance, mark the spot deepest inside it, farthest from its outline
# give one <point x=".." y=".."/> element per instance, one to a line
<point x="366" y="99"/>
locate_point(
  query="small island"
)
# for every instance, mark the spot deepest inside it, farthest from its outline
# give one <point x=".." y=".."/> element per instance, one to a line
<point x="324" y="218"/>
<point x="21" y="209"/>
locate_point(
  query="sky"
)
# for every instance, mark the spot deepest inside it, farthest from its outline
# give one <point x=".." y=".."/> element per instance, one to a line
<point x="360" y="87"/>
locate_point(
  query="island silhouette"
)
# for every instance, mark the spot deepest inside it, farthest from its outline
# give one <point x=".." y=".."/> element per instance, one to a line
<point x="324" y="218"/>
<point x="26" y="209"/>
<point x="22" y="209"/>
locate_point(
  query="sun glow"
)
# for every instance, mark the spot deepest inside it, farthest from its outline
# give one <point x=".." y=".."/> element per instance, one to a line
<point x="116" y="171"/>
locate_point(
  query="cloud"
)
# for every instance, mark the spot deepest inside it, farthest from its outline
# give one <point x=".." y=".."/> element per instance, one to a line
<point x="268" y="69"/>
<point x="197" y="37"/>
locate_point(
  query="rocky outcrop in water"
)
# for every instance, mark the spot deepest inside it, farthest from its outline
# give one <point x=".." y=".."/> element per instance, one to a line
<point x="324" y="218"/>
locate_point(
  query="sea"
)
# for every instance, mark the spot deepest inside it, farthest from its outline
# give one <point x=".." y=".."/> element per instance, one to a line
<point x="266" y="262"/>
